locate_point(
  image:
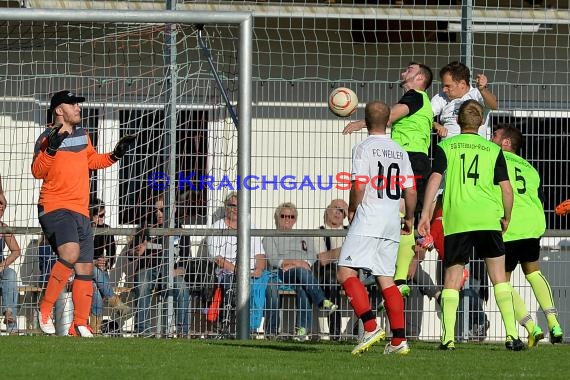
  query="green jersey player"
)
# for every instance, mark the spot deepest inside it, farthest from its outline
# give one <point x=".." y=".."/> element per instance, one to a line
<point x="522" y="238"/>
<point x="475" y="212"/>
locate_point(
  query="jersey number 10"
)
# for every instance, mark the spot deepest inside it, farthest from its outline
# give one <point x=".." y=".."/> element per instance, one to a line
<point x="388" y="183"/>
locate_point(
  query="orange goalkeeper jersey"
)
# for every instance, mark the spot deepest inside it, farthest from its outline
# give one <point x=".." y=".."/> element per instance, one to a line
<point x="66" y="175"/>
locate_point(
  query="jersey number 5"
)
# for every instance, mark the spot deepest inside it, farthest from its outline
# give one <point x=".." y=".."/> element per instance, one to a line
<point x="519" y="177"/>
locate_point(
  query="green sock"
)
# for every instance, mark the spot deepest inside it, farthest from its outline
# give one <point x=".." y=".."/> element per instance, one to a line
<point x="449" y="305"/>
<point x="543" y="294"/>
<point x="521" y="312"/>
<point x="405" y="256"/>
<point x="504" y="298"/>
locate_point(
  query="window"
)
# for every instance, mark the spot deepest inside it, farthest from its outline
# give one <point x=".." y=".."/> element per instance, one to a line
<point x="151" y="155"/>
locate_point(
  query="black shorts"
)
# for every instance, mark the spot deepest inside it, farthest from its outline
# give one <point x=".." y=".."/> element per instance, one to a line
<point x="422" y="168"/>
<point x="64" y="226"/>
<point x="459" y="247"/>
<point x="521" y="251"/>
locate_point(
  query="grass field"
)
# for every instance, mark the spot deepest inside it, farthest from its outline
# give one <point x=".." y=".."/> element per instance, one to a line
<point x="40" y="357"/>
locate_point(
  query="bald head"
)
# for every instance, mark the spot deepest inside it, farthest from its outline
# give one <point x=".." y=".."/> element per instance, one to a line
<point x="376" y="115"/>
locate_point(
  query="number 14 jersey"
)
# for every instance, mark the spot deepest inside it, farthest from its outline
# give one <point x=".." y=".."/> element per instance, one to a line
<point x="473" y="168"/>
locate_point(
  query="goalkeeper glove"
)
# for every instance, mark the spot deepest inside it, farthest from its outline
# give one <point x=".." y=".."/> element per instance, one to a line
<point x="563" y="208"/>
<point x="55" y="139"/>
<point x="122" y="147"/>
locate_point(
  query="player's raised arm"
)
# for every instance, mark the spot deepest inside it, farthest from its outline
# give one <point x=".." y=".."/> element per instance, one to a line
<point x="122" y="147"/>
<point x="353" y="126"/>
<point x="100" y="161"/>
<point x="397" y="112"/>
<point x="45" y="150"/>
<point x="489" y="98"/>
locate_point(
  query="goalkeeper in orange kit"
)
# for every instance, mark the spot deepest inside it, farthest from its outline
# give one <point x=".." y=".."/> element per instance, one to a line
<point x="63" y="156"/>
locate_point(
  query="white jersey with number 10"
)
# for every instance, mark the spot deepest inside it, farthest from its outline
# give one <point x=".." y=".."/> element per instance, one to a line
<point x="386" y="167"/>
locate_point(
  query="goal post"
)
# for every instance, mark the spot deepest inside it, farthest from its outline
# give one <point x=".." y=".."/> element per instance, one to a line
<point x="79" y="40"/>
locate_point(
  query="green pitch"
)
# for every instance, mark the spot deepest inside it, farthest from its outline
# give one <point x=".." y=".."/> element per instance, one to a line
<point x="29" y="357"/>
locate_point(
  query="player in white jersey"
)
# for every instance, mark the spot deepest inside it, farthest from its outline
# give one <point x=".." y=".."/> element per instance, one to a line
<point x="381" y="174"/>
<point x="385" y="166"/>
<point x="456" y="78"/>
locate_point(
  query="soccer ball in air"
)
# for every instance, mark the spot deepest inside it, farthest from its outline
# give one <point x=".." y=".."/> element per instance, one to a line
<point x="343" y="101"/>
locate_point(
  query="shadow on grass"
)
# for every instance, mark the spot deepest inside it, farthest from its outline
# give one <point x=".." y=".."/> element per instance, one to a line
<point x="277" y="346"/>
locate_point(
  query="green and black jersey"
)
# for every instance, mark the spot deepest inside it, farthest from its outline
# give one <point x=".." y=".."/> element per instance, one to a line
<point x="413" y="131"/>
<point x="527" y="220"/>
<point x="473" y="168"/>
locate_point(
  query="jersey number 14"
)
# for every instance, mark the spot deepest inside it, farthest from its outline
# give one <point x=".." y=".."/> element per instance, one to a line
<point x="472" y="171"/>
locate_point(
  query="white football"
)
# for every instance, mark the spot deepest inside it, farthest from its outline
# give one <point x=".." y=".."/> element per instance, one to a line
<point x="343" y="101"/>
